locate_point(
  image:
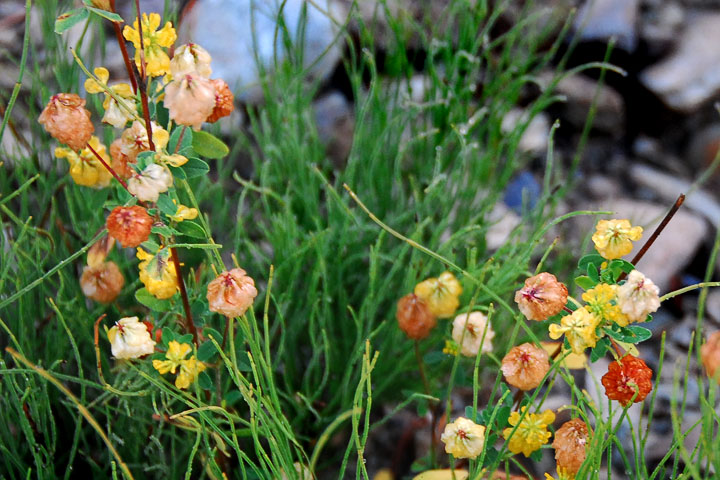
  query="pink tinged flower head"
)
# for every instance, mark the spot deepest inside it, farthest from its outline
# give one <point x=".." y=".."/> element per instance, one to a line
<point x="135" y="139"/>
<point x="710" y="355"/>
<point x="473" y="333"/>
<point x="190" y="58"/>
<point x="130" y="338"/>
<point x="638" y="297"/>
<point x="153" y="181"/>
<point x="525" y="366"/>
<point x="67" y="120"/>
<point x="541" y="297"/>
<point x="231" y="293"/>
<point x="190" y="99"/>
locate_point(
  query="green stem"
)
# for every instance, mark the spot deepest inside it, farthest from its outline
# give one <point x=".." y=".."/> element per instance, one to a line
<point x="690" y="288"/>
<point x="23" y="62"/>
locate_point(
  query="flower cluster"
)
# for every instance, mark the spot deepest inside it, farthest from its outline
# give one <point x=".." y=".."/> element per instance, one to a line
<point x="529" y="431"/>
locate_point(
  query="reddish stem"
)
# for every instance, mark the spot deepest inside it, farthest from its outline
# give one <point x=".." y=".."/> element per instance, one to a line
<point x="567" y="309"/>
<point x="183" y="293"/>
<point x="109" y="168"/>
<point x="142" y="86"/>
<point x="123" y="50"/>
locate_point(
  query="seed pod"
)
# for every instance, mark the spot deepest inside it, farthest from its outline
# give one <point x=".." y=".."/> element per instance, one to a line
<point x="570" y="444"/>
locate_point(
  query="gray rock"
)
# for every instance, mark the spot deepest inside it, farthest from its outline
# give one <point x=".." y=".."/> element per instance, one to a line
<point x="245" y="42"/>
<point x="661" y="24"/>
<point x="503" y="221"/>
<point x="712" y="305"/>
<point x="691" y="75"/>
<point x="605" y="19"/>
<point x="335" y="121"/>
<point x="602" y="187"/>
<point x="535" y="137"/>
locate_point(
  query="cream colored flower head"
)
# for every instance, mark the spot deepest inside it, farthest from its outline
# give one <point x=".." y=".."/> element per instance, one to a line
<point x="463" y="438"/>
<point x="190" y="58"/>
<point x="153" y="181"/>
<point x="638" y="297"/>
<point x="135" y="139"/>
<point x="473" y="332"/>
<point x="190" y="99"/>
<point x="613" y="238"/>
<point x="130" y="338"/>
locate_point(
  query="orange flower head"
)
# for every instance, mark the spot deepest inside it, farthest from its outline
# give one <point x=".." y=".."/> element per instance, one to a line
<point x="129" y="225"/>
<point x="541" y="297"/>
<point x="224" y="101"/>
<point x="414" y="317"/>
<point x="570" y="444"/>
<point x="625" y="377"/>
<point x="231" y="293"/>
<point x="710" y="355"/>
<point x="102" y="282"/>
<point x="120" y="161"/>
<point x="67" y="120"/>
<point x="525" y="366"/>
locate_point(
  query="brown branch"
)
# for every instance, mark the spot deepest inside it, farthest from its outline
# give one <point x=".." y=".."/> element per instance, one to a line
<point x="183" y="293"/>
<point x="123" y="50"/>
<point x="109" y="168"/>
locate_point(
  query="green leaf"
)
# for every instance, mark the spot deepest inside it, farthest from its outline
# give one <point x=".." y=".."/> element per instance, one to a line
<point x="166" y="205"/>
<point x="212" y="333"/>
<point x="599" y="350"/>
<point x="591" y="259"/>
<point x="622" y="265"/>
<point x="187" y="338"/>
<point x="630" y="334"/>
<point x="143" y="160"/>
<point x="536" y="456"/>
<point x="147" y="299"/>
<point x="113" y="17"/>
<point x="195" y="168"/>
<point x="69" y="19"/>
<point x="163" y="230"/>
<point x="206" y="352"/>
<point x="204" y="381"/>
<point x="177" y="172"/>
<point x="167" y="336"/>
<point x="585" y="282"/>
<point x="209" y="146"/>
<point x="592" y="272"/>
<point x="185" y="141"/>
<point x="232" y="397"/>
<point x="191" y="229"/>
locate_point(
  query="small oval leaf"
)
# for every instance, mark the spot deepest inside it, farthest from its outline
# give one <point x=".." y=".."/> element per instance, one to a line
<point x="208" y="145"/>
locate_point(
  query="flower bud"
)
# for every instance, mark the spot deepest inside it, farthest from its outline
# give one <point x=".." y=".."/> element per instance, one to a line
<point x="190" y="58"/>
<point x="102" y="282"/>
<point x="190" y="99"/>
<point x="224" y="101"/>
<point x="638" y="297"/>
<point x="129" y="225"/>
<point x="625" y="377"/>
<point x="710" y="355"/>
<point x="153" y="181"/>
<point x="67" y="120"/>
<point x="130" y="338"/>
<point x="541" y="297"/>
<point x="442" y="294"/>
<point x="231" y="293"/>
<point x="414" y="317"/>
<point x="472" y="332"/>
<point x="525" y="366"/>
<point x="570" y="444"/>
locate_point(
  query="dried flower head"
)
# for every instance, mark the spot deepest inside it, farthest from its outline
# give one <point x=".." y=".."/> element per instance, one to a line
<point x="102" y="282"/>
<point x="156" y="60"/>
<point x="541" y="297"/>
<point x="579" y="328"/>
<point x="602" y="302"/>
<point x="710" y="355"/>
<point x="570" y="443"/>
<point x="463" y="438"/>
<point x="414" y="317"/>
<point x="190" y="99"/>
<point x="525" y="366"/>
<point x="85" y="168"/>
<point x="625" y="378"/>
<point x="120" y="161"/>
<point x="129" y="225"/>
<point x="190" y="58"/>
<point x="638" y="297"/>
<point x="135" y="139"/>
<point x="224" y="101"/>
<point x="157" y="273"/>
<point x="231" y="293"/>
<point x="613" y="238"/>
<point x="148" y="185"/>
<point x="531" y="432"/>
<point x="473" y="333"/>
<point x="442" y="294"/>
<point x="130" y="338"/>
<point x="67" y="120"/>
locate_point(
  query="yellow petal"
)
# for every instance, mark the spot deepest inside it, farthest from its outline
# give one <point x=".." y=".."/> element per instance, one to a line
<point x="446" y="474"/>
<point x="124" y="90"/>
<point x="572" y="361"/>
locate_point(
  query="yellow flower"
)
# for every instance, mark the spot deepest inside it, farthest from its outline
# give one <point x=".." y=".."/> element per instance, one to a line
<point x="602" y="302"/>
<point x="184" y="213"/>
<point x="85" y="168"/>
<point x="156" y="59"/>
<point x="189" y="370"/>
<point x="579" y="329"/>
<point x="531" y="432"/>
<point x="612" y="238"/>
<point x="175" y="355"/>
<point x="463" y="438"/>
<point x="157" y="273"/>
<point x="563" y="474"/>
<point x="174" y="160"/>
<point x="451" y="348"/>
<point x="442" y="294"/>
<point x="115" y="114"/>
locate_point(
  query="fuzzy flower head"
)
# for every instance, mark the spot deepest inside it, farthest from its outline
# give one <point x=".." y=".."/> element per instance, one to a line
<point x="442" y="294"/>
<point x="710" y="355"/>
<point x="85" y="168"/>
<point x="473" y="333"/>
<point x="157" y="273"/>
<point x="190" y="99"/>
<point x="231" y="293"/>
<point x="67" y="120"/>
<point x="129" y="225"/>
<point x="148" y="185"/>
<point x="102" y="282"/>
<point x="602" y="302"/>
<point x="525" y="366"/>
<point x="570" y="446"/>
<point x="190" y="58"/>
<point x="414" y="317"/>
<point x="613" y="238"/>
<point x="135" y="139"/>
<point x="531" y="432"/>
<point x="638" y="297"/>
<point x="625" y="378"/>
<point x="130" y="338"/>
<point x="578" y="328"/>
<point x="224" y="101"/>
<point x="463" y="438"/>
<point x="117" y="113"/>
<point x="156" y="59"/>
<point x="541" y="297"/>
